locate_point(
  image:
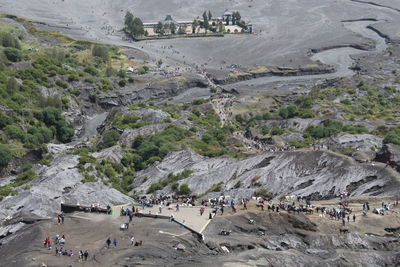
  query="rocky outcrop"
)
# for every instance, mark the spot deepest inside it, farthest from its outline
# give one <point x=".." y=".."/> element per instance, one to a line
<point x="294" y="240"/>
<point x="58" y="183"/>
<point x="146" y="114"/>
<point x="292" y="137"/>
<point x="297" y="124"/>
<point x="114" y="153"/>
<point x="315" y="174"/>
<point x="156" y="91"/>
<point x="367" y="142"/>
<point x="129" y="135"/>
<point x="262" y="71"/>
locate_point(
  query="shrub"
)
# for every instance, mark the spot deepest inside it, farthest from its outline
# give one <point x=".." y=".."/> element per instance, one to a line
<point x="142" y="70"/>
<point x="8" y="40"/>
<point x="184" y="189"/>
<point x="110" y="138"/>
<point x="101" y="52"/>
<point x="5" y="120"/>
<point x="91" y="70"/>
<point x="263" y="193"/>
<point x="73" y="77"/>
<point x="199" y="101"/>
<point x="277" y="131"/>
<point x="23" y="178"/>
<point x="13" y="54"/>
<point x="5" y="156"/>
<point x="288" y="112"/>
<point x="13" y="131"/>
<point x="154" y="187"/>
<point x="122" y="83"/>
<point x="52" y="117"/>
<point x="62" y="84"/>
<point x="392" y="137"/>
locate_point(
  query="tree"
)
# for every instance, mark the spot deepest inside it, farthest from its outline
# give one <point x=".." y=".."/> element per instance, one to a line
<point x="172" y="27"/>
<point x="137" y="28"/>
<point x="5" y="156"/>
<point x="160" y="28"/>
<point x="221" y="27"/>
<point x="209" y="15"/>
<point x="205" y="21"/>
<point x="134" y="25"/>
<point x="128" y="19"/>
<point x="205" y="16"/>
<point x="236" y="17"/>
<point x="195" y="24"/>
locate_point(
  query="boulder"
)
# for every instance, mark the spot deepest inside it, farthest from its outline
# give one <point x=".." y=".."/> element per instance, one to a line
<point x="114" y="153"/>
<point x="363" y="156"/>
<point x="277" y="141"/>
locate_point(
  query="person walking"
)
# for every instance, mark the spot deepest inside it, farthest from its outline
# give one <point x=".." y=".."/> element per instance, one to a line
<point x="354" y="217"/>
<point x="115" y="242"/>
<point x="132" y="239"/>
<point x="343" y="222"/>
<point x="108" y="242"/>
<point x="348" y="218"/>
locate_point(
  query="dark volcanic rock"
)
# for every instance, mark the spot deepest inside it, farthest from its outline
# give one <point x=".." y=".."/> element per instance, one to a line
<point x="281" y="173"/>
<point x="389" y="152"/>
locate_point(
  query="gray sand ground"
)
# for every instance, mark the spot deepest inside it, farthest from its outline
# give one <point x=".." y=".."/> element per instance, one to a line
<point x="284" y="30"/>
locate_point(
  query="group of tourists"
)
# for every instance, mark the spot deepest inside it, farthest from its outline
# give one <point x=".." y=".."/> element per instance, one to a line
<point x="385" y="207"/>
<point x="60" y="250"/>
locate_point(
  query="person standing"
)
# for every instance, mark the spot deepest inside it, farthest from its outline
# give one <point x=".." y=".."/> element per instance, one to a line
<point x="354" y="217"/>
<point x="115" y="242"/>
<point x="108" y="242"/>
<point x="132" y="239"/>
<point x="86" y="255"/>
